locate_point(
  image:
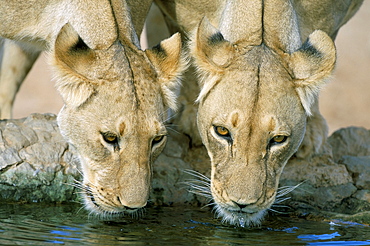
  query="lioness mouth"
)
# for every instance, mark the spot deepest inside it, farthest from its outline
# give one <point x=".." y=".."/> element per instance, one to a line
<point x="90" y="195"/>
<point x="240" y="217"/>
<point x="244" y="212"/>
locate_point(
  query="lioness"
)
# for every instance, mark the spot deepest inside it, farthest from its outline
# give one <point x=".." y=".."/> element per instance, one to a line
<point x="261" y="67"/>
<point x="115" y="94"/>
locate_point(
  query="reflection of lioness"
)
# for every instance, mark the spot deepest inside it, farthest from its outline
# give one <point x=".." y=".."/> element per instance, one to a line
<point x="261" y="66"/>
<point x="115" y="95"/>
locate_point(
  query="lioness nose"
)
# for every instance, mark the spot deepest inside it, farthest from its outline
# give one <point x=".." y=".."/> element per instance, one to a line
<point x="131" y="205"/>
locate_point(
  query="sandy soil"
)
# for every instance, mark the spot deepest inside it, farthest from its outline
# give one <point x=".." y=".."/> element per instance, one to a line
<point x="344" y="102"/>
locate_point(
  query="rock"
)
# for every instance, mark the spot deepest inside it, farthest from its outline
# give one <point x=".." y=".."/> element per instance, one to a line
<point x="350" y="141"/>
<point x="337" y="180"/>
<point x="33" y="164"/>
<point x="320" y="171"/>
<point x="9" y="157"/>
<point x="363" y="195"/>
<point x="323" y="182"/>
<point x="359" y="168"/>
<point x="168" y="186"/>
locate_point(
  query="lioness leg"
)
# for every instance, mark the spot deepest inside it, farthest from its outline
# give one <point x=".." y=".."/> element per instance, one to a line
<point x="316" y="133"/>
<point x="16" y="62"/>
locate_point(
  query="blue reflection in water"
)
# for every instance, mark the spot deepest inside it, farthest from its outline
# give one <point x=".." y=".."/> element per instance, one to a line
<point x="314" y="237"/>
<point x="309" y="237"/>
<point x="70" y="228"/>
<point x="64" y="235"/>
<point x="53" y="241"/>
<point x="352" y="243"/>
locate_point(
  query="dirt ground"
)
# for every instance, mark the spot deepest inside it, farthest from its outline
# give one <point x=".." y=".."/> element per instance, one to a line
<point x="344" y="102"/>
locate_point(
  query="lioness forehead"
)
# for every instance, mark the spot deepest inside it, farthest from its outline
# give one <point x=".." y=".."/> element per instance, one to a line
<point x="132" y="123"/>
<point x="265" y="91"/>
<point x="130" y="99"/>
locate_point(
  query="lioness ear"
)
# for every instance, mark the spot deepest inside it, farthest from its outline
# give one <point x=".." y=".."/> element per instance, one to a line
<point x="312" y="64"/>
<point x="212" y="54"/>
<point x="70" y="58"/>
<point x="170" y="62"/>
<point x="209" y="48"/>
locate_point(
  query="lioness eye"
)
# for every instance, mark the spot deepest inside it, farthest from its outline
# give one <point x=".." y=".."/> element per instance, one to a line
<point x="278" y="139"/>
<point x="110" y="137"/>
<point x="223" y="132"/>
<point x="157" y="139"/>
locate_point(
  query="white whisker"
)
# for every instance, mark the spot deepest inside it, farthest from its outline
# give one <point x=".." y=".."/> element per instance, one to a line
<point x="282" y="191"/>
<point x="200" y="186"/>
<point x="197" y="175"/>
<point x="170" y="128"/>
<point x="170" y="115"/>
<point x="275" y="211"/>
<point x="207" y="184"/>
<point x="280" y="206"/>
<point x="208" y="205"/>
<point x="201" y="194"/>
<point x="280" y="200"/>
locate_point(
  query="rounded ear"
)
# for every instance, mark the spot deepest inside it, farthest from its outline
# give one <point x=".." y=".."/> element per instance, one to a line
<point x="71" y="56"/>
<point x="209" y="48"/>
<point x="170" y="62"/>
<point x="312" y="64"/>
<point x="212" y="54"/>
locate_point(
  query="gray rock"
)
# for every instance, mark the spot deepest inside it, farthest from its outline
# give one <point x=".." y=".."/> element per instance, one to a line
<point x="8" y="157"/>
<point x="320" y="171"/>
<point x="363" y="195"/>
<point x="359" y="168"/>
<point x="323" y="182"/>
<point x="338" y="180"/>
<point x="35" y="162"/>
<point x="351" y="141"/>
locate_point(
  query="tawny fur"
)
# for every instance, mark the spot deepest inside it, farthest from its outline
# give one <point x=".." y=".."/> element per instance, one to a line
<point x="261" y="65"/>
<point x="29" y="27"/>
<point x="116" y="96"/>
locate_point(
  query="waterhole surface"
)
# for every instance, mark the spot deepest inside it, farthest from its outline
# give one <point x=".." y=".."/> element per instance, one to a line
<point x="38" y="224"/>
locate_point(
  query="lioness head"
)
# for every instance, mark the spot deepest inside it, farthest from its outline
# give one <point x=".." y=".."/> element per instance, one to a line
<point x="114" y="113"/>
<point x="253" y="106"/>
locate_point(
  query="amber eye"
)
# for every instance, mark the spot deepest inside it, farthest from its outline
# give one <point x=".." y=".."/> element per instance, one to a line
<point x="110" y="137"/>
<point x="278" y="139"/>
<point x="157" y="139"/>
<point x="222" y="132"/>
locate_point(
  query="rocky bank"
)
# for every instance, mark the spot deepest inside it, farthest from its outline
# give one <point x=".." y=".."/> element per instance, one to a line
<point x="37" y="165"/>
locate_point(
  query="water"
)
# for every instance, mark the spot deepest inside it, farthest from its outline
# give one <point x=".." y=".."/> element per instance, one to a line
<point x="37" y="224"/>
